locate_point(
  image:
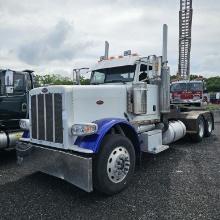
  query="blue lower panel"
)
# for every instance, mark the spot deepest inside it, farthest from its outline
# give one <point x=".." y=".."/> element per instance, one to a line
<point x="92" y="142"/>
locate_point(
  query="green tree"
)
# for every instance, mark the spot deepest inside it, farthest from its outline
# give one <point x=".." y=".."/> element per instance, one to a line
<point x="56" y="79"/>
<point x="213" y="84"/>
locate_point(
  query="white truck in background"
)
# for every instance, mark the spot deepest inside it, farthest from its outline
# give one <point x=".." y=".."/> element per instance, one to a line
<point x="92" y="136"/>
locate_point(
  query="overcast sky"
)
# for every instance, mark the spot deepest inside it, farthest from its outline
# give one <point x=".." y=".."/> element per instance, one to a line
<point x="53" y="36"/>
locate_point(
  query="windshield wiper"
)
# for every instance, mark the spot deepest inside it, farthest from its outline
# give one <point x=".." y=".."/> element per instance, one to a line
<point x="96" y="83"/>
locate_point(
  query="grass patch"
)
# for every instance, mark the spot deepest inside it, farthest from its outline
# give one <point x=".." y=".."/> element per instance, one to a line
<point x="212" y="107"/>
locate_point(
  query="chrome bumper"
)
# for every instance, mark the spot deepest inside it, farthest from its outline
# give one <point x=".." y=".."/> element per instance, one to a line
<point x="70" y="167"/>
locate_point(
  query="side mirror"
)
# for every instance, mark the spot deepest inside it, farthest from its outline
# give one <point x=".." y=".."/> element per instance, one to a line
<point x="76" y="77"/>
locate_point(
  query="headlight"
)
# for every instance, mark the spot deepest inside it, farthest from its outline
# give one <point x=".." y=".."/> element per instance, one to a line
<point x="84" y="129"/>
<point x="24" y="124"/>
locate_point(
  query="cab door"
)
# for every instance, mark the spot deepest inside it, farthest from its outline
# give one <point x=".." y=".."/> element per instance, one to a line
<point x="12" y="103"/>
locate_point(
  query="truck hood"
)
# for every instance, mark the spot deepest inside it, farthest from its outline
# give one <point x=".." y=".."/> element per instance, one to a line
<point x="70" y="105"/>
<point x="94" y="102"/>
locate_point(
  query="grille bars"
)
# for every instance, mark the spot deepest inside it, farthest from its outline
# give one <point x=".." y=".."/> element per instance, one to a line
<point x="46" y="117"/>
<point x="185" y="29"/>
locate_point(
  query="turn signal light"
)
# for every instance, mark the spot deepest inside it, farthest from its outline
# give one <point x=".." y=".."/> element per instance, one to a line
<point x="84" y="129"/>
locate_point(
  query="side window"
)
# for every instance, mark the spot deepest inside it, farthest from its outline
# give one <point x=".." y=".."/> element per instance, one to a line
<point x="2" y="87"/>
<point x="97" y="77"/>
<point x="29" y="83"/>
<point x="19" y="86"/>
<point x="143" y="76"/>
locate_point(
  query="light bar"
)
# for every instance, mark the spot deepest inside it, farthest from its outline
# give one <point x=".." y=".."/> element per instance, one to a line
<point x="102" y="58"/>
<point x="127" y="53"/>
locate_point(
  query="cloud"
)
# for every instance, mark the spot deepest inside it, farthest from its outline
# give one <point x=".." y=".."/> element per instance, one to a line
<point x="61" y="43"/>
<point x="41" y="35"/>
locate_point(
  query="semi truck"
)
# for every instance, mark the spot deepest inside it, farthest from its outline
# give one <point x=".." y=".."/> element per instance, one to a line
<point x="14" y="87"/>
<point x="93" y="135"/>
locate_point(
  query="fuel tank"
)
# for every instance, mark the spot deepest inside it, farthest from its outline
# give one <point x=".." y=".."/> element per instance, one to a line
<point x="8" y="140"/>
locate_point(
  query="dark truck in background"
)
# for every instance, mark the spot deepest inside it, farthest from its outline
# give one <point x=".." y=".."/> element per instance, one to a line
<point x="14" y="88"/>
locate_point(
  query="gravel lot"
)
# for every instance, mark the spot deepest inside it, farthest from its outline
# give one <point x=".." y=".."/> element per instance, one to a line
<point x="181" y="183"/>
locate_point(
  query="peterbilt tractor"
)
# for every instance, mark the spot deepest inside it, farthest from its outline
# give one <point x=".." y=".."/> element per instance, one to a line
<point x="14" y="87"/>
<point x="93" y="135"/>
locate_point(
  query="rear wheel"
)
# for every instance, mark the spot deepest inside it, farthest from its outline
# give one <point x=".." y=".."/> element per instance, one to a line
<point x="114" y="165"/>
<point x="208" y="126"/>
<point x="198" y="136"/>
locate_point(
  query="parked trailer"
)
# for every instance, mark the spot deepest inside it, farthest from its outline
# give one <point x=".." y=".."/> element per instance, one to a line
<point x="92" y="136"/>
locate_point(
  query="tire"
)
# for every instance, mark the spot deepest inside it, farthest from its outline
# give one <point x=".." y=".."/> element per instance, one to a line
<point x="200" y="130"/>
<point x="116" y="154"/>
<point x="208" y="126"/>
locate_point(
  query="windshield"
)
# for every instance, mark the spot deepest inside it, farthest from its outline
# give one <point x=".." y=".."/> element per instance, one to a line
<point x="195" y="87"/>
<point x="114" y="74"/>
<point x="180" y="87"/>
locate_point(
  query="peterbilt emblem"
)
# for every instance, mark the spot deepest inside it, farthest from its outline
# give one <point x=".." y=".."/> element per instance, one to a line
<point x="44" y="90"/>
<point x="99" y="102"/>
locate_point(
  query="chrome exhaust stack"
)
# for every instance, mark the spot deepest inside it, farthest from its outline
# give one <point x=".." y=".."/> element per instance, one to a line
<point x="106" y="49"/>
<point x="165" y="76"/>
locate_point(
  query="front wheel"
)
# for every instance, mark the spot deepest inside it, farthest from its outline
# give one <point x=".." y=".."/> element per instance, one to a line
<point x="114" y="165"/>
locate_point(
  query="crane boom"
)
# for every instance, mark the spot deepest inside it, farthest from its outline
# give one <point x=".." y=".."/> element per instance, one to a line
<point x="185" y="25"/>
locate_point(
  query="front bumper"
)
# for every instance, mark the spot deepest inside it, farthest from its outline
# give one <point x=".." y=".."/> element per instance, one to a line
<point x="73" y="168"/>
<point x="185" y="101"/>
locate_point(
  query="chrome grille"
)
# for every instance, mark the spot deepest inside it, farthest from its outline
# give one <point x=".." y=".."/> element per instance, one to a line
<point x="46" y="117"/>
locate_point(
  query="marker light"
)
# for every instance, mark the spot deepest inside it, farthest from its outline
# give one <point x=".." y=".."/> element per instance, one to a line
<point x="84" y="129"/>
<point x="24" y="124"/>
<point x="127" y="53"/>
<point x="102" y="58"/>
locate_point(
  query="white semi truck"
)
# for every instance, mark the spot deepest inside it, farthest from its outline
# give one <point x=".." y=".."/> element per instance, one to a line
<point x="93" y="135"/>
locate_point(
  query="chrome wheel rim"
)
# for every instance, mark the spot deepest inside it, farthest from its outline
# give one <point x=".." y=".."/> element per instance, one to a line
<point x="201" y="129"/>
<point x="118" y="164"/>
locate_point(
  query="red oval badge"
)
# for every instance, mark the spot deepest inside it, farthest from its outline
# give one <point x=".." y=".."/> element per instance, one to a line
<point x="99" y="102"/>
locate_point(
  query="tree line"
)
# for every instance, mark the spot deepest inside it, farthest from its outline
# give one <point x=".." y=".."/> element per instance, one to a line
<point x="212" y="83"/>
<point x="56" y="79"/>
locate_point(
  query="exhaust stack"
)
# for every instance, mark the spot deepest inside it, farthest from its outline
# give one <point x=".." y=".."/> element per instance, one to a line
<point x="106" y="49"/>
<point x="165" y="33"/>
<point x="165" y="76"/>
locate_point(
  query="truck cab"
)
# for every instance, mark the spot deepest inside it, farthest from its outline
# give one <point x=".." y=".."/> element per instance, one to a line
<point x="92" y="135"/>
<point x="14" y="89"/>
